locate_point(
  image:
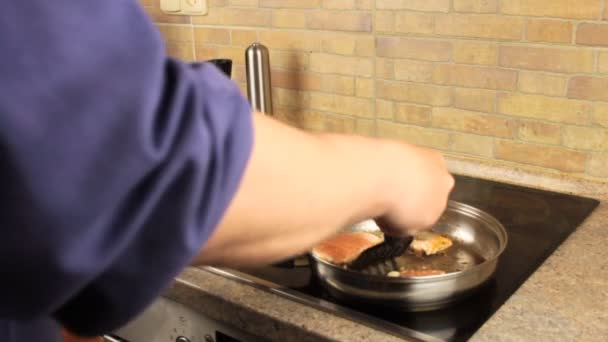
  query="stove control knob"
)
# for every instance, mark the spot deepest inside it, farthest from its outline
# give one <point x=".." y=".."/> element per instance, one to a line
<point x="182" y="339"/>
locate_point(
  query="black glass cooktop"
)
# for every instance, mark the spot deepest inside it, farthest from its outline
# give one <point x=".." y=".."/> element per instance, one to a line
<point x="536" y="221"/>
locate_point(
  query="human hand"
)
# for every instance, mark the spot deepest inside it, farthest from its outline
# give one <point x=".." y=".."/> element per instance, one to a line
<point x="419" y="188"/>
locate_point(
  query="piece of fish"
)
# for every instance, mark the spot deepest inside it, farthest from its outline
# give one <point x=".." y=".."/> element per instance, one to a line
<point x="345" y="247"/>
<point x="429" y="243"/>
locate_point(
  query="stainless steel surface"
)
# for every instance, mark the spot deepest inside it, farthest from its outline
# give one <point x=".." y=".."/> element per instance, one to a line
<point x="169" y="321"/>
<point x="479" y="240"/>
<point x="259" y="89"/>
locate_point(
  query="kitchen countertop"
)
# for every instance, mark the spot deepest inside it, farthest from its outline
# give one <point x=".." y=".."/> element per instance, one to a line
<point x="565" y="299"/>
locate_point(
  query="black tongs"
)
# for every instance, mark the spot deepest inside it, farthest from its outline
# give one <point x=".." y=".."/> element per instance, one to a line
<point x="391" y="247"/>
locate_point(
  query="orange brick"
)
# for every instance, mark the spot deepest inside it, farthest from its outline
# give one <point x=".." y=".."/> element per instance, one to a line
<point x="364" y="87"/>
<point x="181" y="50"/>
<point x="290" y="3"/>
<point x="348" y="44"/>
<point x="479" y="26"/>
<point x="211" y="35"/>
<point x="366" y="46"/>
<point x="385" y="68"/>
<point x="342" y="65"/>
<point x="365" y="127"/>
<point x="477" y="145"/>
<point x="409" y="113"/>
<point x="295" y="80"/>
<point x="402" y="47"/>
<point x="539" y="83"/>
<point x="340" y="124"/>
<point x="414" y="92"/>
<point x="592" y="34"/>
<point x="246" y="17"/>
<point x="417" y="5"/>
<point x="414" y="23"/>
<point x="414" y="135"/>
<point x="540" y="132"/>
<point x="476" y="77"/>
<point x="598" y="165"/>
<point x="174" y="33"/>
<point x="340" y="21"/>
<point x="385" y="109"/>
<point x="243" y="37"/>
<point x="600" y="114"/>
<point x="471" y="52"/>
<point x="588" y="88"/>
<point x="244" y="3"/>
<point x="413" y="71"/>
<point x="288" y="40"/>
<point x="545" y="156"/>
<point x="290" y="98"/>
<point x="203" y="52"/>
<point x="550" y="31"/>
<point x="545" y="108"/>
<point x="214" y="16"/>
<point x="586" y="138"/>
<point x="480" y="100"/>
<point x="307" y="119"/>
<point x="477" y="6"/>
<point x="384" y="21"/>
<point x="147" y="2"/>
<point x="283" y="114"/>
<point x="549" y="59"/>
<point x="342" y="104"/>
<point x="341" y="44"/>
<point x="289" y="18"/>
<point x="288" y="60"/>
<point x="347" y="4"/>
<point x="218" y="3"/>
<point x="473" y="122"/>
<point x="603" y="62"/>
<point x="575" y="9"/>
<point x="337" y="84"/>
<point x="239" y="74"/>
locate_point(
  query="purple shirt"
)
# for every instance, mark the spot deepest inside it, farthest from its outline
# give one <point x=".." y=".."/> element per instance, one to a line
<point x="116" y="164"/>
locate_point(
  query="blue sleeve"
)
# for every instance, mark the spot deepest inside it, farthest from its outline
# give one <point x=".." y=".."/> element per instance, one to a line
<point x="116" y="162"/>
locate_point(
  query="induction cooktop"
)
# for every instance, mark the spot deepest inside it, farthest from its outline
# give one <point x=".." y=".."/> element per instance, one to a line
<point x="537" y="222"/>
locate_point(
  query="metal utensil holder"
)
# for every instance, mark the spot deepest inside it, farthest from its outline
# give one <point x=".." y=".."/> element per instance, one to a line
<point x="259" y="88"/>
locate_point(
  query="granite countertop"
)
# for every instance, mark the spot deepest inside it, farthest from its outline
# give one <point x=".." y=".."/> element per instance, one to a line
<point x="565" y="299"/>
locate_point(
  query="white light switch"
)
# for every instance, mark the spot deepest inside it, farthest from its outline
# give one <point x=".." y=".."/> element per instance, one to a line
<point x="184" y="7"/>
<point x="170" y="5"/>
<point x="194" y="6"/>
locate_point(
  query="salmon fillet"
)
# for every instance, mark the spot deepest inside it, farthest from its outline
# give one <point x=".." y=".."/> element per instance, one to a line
<point x="345" y="247"/>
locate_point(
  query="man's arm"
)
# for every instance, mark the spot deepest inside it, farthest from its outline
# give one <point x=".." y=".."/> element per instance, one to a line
<point x="299" y="188"/>
<point x="117" y="164"/>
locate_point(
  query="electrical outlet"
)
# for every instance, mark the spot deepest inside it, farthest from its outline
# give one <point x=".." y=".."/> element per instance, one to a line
<point x="184" y="7"/>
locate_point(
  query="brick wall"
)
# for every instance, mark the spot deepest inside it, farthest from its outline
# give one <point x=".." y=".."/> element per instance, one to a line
<point x="520" y="81"/>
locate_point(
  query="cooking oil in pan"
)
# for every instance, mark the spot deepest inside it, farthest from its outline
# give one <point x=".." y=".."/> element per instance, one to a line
<point x="458" y="257"/>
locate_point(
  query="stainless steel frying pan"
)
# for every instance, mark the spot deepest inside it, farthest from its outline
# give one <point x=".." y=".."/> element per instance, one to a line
<point x="478" y="241"/>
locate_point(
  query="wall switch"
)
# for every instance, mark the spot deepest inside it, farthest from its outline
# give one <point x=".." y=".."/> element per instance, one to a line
<point x="194" y="6"/>
<point x="184" y="7"/>
<point x="170" y="5"/>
